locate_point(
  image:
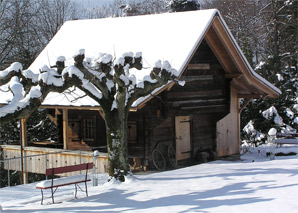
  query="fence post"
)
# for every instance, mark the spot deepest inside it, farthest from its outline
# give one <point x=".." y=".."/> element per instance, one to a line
<point x="46" y="165"/>
<point x="272" y="134"/>
<point x="80" y="156"/>
<point x="80" y="160"/>
<point x="95" y="178"/>
<point x="8" y="174"/>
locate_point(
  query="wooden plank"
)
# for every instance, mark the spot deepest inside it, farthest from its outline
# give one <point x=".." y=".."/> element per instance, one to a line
<point x="72" y="168"/>
<point x="24" y="132"/>
<point x="196" y="78"/>
<point x="201" y="107"/>
<point x="65" y="128"/>
<point x="178" y="103"/>
<point x="219" y="50"/>
<point x="198" y="66"/>
<point x="183" y="145"/>
<point x="233" y="75"/>
<point x="194" y="94"/>
<point x="239" y="60"/>
<point x="286" y="141"/>
<point x="288" y="135"/>
<point x="250" y="96"/>
<point x="228" y="129"/>
<point x="36" y="159"/>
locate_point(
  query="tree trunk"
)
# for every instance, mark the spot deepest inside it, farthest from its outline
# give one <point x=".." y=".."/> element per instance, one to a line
<point x="116" y="130"/>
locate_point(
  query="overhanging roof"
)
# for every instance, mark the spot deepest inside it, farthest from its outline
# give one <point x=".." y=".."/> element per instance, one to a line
<point x="171" y="36"/>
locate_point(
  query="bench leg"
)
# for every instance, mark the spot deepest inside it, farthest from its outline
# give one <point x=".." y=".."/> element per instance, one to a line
<point x="76" y="190"/>
<point x="86" y="188"/>
<point x="41" y="196"/>
<point x="52" y="194"/>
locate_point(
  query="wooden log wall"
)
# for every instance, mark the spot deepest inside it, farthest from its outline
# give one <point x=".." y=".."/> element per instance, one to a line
<point x="206" y="90"/>
<point x="205" y="98"/>
<point x="203" y="133"/>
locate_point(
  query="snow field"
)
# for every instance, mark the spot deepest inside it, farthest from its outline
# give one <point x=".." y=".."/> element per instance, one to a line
<point x="254" y="184"/>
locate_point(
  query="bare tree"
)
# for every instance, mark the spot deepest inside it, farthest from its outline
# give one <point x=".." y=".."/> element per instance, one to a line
<point x="15" y="16"/>
<point x="245" y="22"/>
<point x="52" y="14"/>
<point x="28" y="25"/>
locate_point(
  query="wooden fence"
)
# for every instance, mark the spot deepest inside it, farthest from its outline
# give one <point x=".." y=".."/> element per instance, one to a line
<point x="37" y="160"/>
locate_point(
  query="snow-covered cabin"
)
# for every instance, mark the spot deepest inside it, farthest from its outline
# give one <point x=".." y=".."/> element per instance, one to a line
<point x="203" y="116"/>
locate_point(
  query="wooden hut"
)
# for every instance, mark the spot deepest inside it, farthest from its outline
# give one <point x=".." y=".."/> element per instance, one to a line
<point x="200" y="120"/>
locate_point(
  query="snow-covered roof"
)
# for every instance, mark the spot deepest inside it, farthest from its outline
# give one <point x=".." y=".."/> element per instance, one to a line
<point x="170" y="36"/>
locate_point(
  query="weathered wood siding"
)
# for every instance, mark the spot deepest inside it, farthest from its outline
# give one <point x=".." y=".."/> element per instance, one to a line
<point x="228" y="129"/>
<point x="205" y="98"/>
<point x="203" y="133"/>
<point x="206" y="90"/>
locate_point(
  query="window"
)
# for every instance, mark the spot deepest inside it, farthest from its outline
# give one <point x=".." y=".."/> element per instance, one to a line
<point x="132" y="132"/>
<point x="89" y="125"/>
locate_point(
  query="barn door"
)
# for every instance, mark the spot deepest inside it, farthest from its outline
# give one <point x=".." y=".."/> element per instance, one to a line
<point x="183" y="147"/>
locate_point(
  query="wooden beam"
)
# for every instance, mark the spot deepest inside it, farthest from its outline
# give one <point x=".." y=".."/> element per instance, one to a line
<point x="194" y="94"/>
<point x="197" y="78"/>
<point x="243" y="86"/>
<point x="70" y="107"/>
<point x="101" y="114"/>
<point x="24" y="132"/>
<point x="178" y="103"/>
<point x="233" y="75"/>
<point x="219" y="51"/>
<point x="24" y="141"/>
<point x="65" y="128"/>
<point x="198" y="66"/>
<point x="202" y="107"/>
<point x="250" y="96"/>
<point x="230" y="47"/>
<point x="239" y="60"/>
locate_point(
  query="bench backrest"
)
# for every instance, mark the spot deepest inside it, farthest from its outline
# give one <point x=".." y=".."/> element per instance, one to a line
<point x="65" y="169"/>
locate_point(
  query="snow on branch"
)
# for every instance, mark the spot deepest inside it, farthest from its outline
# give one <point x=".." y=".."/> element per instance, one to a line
<point x="6" y="74"/>
<point x="272" y="113"/>
<point x="18" y="101"/>
<point x="109" y="81"/>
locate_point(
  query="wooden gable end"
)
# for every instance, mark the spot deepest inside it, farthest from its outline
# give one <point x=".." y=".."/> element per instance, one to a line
<point x="248" y="83"/>
<point x="206" y="89"/>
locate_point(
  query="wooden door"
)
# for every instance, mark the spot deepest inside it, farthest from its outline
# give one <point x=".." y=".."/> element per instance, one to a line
<point x="183" y="146"/>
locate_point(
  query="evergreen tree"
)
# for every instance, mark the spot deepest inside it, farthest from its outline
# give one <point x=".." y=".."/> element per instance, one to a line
<point x="279" y="67"/>
<point x="266" y="31"/>
<point x="184" y="5"/>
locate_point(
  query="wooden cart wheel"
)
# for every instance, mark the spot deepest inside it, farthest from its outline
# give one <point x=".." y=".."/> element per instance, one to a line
<point x="172" y="156"/>
<point x="158" y="160"/>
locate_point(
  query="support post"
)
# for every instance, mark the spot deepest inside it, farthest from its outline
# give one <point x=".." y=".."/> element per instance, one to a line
<point x="24" y="142"/>
<point x="65" y="128"/>
<point x="8" y="172"/>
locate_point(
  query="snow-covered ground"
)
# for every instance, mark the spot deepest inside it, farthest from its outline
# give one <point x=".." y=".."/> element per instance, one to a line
<point x="255" y="184"/>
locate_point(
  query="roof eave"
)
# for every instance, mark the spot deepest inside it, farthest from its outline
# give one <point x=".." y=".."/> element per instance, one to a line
<point x="240" y="61"/>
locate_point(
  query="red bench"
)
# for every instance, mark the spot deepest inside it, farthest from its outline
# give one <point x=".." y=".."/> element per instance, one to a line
<point x="55" y="183"/>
